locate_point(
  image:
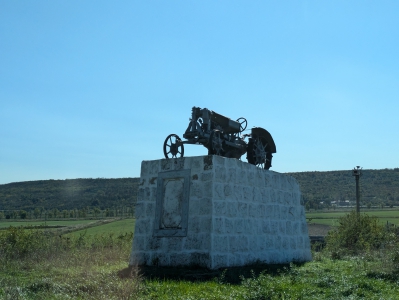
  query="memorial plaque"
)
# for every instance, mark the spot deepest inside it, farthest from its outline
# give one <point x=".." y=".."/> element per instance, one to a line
<point x="171" y="213"/>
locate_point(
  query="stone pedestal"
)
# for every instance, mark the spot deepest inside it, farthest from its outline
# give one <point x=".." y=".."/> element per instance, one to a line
<point x="214" y="212"/>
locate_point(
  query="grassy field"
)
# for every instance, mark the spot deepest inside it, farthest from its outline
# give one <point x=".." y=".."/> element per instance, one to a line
<point x="91" y="268"/>
<point x="4" y="224"/>
<point x="117" y="227"/>
<point x="331" y="217"/>
<point x="92" y="264"/>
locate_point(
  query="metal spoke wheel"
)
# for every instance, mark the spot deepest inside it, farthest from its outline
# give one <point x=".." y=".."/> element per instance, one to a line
<point x="243" y="124"/>
<point x="216" y="143"/>
<point x="173" y="147"/>
<point x="257" y="154"/>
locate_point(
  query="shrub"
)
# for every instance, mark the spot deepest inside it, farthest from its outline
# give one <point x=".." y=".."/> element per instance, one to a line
<point x="17" y="242"/>
<point x="357" y="233"/>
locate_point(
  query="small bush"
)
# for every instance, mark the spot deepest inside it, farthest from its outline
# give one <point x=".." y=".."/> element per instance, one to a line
<point x="395" y="259"/>
<point x="358" y="233"/>
<point x="18" y="242"/>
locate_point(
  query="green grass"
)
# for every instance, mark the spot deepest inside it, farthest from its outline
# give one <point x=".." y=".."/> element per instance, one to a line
<point x="117" y="227"/>
<point x="35" y="265"/>
<point x="92" y="274"/>
<point x="41" y="266"/>
<point x="322" y="279"/>
<point x="325" y="215"/>
<point x="331" y="217"/>
<point x="384" y="213"/>
<point x="5" y="224"/>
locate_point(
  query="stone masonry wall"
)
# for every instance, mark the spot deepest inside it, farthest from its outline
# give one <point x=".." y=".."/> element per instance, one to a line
<point x="217" y="212"/>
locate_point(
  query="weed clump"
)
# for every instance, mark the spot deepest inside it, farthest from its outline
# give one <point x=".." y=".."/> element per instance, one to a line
<point x="64" y="266"/>
<point x="17" y="242"/>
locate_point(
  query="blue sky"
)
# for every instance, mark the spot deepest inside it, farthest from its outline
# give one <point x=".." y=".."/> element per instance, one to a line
<point x="90" y="89"/>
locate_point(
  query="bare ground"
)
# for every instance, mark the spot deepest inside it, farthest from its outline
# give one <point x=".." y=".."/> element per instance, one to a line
<point x="318" y="229"/>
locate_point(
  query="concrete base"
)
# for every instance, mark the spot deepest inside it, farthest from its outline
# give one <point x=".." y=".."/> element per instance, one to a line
<point x="215" y="212"/>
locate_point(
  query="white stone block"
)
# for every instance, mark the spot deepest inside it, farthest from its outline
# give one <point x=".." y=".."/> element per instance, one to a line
<point x="216" y="212"/>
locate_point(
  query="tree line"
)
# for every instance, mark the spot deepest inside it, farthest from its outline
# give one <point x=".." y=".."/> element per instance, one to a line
<point x="69" y="194"/>
<point x="378" y="188"/>
<point x="86" y="212"/>
<point x="319" y="189"/>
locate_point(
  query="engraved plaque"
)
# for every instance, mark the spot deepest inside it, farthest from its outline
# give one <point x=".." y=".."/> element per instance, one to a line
<point x="171" y="214"/>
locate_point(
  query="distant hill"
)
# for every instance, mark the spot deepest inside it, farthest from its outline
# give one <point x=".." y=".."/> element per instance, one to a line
<point x="69" y="193"/>
<point x="377" y="187"/>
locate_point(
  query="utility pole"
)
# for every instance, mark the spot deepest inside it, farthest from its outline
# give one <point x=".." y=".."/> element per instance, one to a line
<point x="357" y="172"/>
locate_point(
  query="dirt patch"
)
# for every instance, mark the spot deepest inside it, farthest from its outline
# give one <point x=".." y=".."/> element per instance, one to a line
<point x="69" y="229"/>
<point x="129" y="272"/>
<point x="318" y="229"/>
